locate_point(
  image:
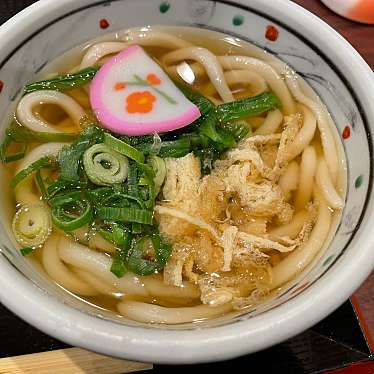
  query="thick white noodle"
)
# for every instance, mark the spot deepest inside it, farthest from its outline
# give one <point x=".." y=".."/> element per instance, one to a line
<point x="150" y="38"/>
<point x="99" y="264"/>
<point x="99" y="243"/>
<point x="47" y="149"/>
<point x="156" y="287"/>
<point x="304" y="136"/>
<point x="271" y="77"/>
<point x="308" y="166"/>
<point x="289" y="180"/>
<point x="271" y="124"/>
<point x="308" y="91"/>
<point x="290" y="229"/>
<point x="27" y="117"/>
<point x="327" y="138"/>
<point x="100" y="50"/>
<point x="81" y="234"/>
<point x="96" y="283"/>
<point x="188" y="72"/>
<point x="24" y="192"/>
<point x="143" y="312"/>
<point x="298" y="260"/>
<point x="247" y="78"/>
<point x="60" y="272"/>
<point x="326" y="186"/>
<point x="210" y="63"/>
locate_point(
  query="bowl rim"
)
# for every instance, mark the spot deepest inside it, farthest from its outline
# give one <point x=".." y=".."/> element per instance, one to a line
<point x="209" y="344"/>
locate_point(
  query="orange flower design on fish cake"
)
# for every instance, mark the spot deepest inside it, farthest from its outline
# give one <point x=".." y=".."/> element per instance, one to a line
<point x="119" y="86"/>
<point x="153" y="79"/>
<point x="140" y="102"/>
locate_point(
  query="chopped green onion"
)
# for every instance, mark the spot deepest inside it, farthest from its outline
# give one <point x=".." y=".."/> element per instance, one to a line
<point x="122" y="239"/>
<point x="70" y="156"/>
<point x="12" y="157"/>
<point x="122" y="200"/>
<point x="40" y="183"/>
<point x="35" y="166"/>
<point x="98" y="194"/>
<point x="143" y="267"/>
<point x="117" y="235"/>
<point x="218" y="136"/>
<point x="138" y="265"/>
<point x="21" y="134"/>
<point x="143" y="181"/>
<point x="175" y="148"/>
<point x="16" y="156"/>
<point x="123" y="148"/>
<point x="150" y="194"/>
<point x="162" y="249"/>
<point x="136" y="228"/>
<point x="63" y="82"/>
<point x="139" y="141"/>
<point x="146" y="169"/>
<point x="58" y="186"/>
<point x="32" y="225"/>
<point x="66" y="198"/>
<point x="118" y="267"/>
<point x="146" y="183"/>
<point x="197" y="140"/>
<point x="132" y="180"/>
<point x="26" y="250"/>
<point x="104" y="166"/>
<point x="70" y="212"/>
<point x="125" y="214"/>
<point x="251" y="106"/>
<point x="159" y="168"/>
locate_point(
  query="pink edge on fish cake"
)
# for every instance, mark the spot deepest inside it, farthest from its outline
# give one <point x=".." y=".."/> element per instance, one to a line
<point x="121" y="126"/>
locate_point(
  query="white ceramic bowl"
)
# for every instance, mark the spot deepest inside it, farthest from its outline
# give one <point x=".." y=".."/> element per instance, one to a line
<point x="333" y="68"/>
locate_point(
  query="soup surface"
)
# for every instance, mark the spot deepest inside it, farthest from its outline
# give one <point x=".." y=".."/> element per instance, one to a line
<point x="222" y="209"/>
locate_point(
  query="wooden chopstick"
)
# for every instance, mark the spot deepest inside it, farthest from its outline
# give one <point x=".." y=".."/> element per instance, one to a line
<point x="68" y="361"/>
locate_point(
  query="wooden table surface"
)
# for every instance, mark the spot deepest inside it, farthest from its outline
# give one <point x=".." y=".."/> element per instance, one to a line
<point x="362" y="38"/>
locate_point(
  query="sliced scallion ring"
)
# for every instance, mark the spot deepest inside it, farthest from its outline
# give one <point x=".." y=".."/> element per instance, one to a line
<point x="35" y="166"/>
<point x="104" y="166"/>
<point x="70" y="212"/>
<point x="32" y="225"/>
<point x="5" y="157"/>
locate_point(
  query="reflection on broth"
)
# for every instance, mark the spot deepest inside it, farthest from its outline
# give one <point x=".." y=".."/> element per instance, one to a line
<point x="174" y="226"/>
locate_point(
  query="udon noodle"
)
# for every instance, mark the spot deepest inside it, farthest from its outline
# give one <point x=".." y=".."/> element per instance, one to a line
<point x="238" y="232"/>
